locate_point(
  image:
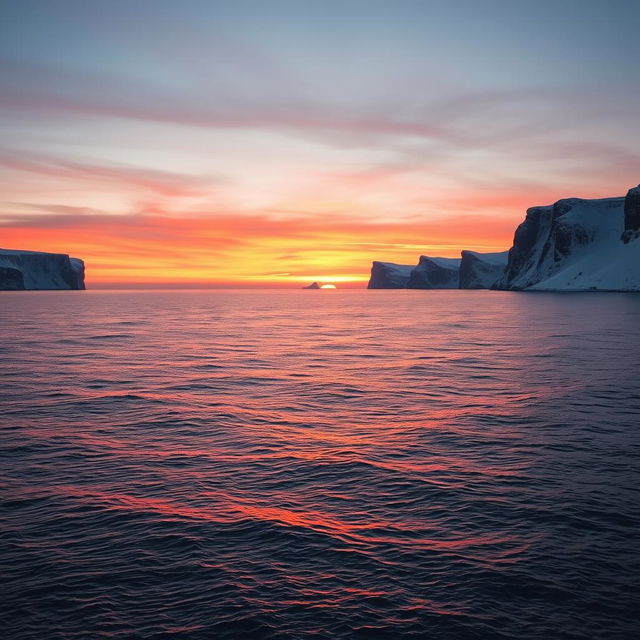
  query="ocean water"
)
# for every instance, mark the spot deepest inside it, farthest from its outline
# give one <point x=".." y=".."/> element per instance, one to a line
<point x="319" y="464"/>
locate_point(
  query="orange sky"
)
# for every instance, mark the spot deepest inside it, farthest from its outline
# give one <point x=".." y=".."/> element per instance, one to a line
<point x="211" y="145"/>
<point x="250" y="250"/>
<point x="162" y="245"/>
<point x="281" y="225"/>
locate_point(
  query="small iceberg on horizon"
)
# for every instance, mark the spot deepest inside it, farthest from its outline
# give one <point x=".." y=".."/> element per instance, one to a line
<point x="317" y="285"/>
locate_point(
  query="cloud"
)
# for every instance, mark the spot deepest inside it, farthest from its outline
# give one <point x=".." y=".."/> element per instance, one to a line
<point x="379" y="174"/>
<point x="213" y="99"/>
<point x="165" y="183"/>
<point x="549" y="139"/>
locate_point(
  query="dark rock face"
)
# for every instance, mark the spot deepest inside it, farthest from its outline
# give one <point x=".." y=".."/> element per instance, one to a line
<point x="525" y="240"/>
<point x="543" y="237"/>
<point x="387" y="275"/>
<point x="435" y="273"/>
<point x="481" y="270"/>
<point x="11" y="279"/>
<point x="631" y="215"/>
<point x="313" y="285"/>
<point x="78" y="267"/>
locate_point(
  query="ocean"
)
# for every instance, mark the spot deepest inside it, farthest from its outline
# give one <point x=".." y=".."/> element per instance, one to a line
<point x="319" y="464"/>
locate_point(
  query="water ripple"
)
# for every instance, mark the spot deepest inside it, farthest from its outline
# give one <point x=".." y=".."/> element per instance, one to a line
<point x="450" y="465"/>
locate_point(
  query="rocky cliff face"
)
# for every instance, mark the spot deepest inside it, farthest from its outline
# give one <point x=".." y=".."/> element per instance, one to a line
<point x="435" y="273"/>
<point x="37" y="270"/>
<point x="481" y="270"/>
<point x="631" y="215"/>
<point x="576" y="245"/>
<point x="387" y="275"/>
<point x="78" y="267"/>
<point x="11" y="279"/>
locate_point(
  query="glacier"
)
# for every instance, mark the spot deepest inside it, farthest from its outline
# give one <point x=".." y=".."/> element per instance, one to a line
<point x="31" y="270"/>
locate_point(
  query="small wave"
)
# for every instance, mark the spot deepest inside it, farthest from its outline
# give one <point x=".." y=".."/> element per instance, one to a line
<point x="252" y="468"/>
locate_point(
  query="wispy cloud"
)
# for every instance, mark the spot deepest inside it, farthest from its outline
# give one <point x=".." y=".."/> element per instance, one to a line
<point x="166" y="183"/>
<point x="212" y="143"/>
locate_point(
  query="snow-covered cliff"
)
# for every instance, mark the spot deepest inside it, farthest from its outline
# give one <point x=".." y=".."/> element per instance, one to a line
<point x="577" y="245"/>
<point x="481" y="270"/>
<point x="429" y="273"/>
<point x="37" y="270"/>
<point x="387" y="275"/>
<point x="435" y="273"/>
<point x="572" y="245"/>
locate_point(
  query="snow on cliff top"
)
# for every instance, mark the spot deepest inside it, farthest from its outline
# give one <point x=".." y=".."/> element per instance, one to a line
<point x="393" y="265"/>
<point x="446" y="263"/>
<point x="498" y="259"/>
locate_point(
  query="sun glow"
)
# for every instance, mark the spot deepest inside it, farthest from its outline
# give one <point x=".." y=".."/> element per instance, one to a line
<point x="227" y="250"/>
<point x="328" y="286"/>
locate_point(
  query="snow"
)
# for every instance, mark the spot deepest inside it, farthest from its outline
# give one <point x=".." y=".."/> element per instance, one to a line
<point x="611" y="266"/>
<point x="39" y="270"/>
<point x="388" y="275"/>
<point x="497" y="259"/>
<point x="445" y="263"/>
<point x="481" y="270"/>
<point x="575" y="245"/>
<point x="435" y="273"/>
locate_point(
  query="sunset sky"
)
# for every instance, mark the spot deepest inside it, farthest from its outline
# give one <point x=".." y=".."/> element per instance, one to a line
<point x="250" y="143"/>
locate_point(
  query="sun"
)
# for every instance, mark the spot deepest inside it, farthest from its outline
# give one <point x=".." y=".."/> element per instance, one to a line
<point x="328" y="286"/>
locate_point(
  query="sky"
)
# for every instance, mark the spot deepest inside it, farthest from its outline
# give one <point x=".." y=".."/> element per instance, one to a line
<point x="254" y="143"/>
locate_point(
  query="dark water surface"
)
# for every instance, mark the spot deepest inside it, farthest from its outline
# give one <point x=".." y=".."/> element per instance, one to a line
<point x="320" y="464"/>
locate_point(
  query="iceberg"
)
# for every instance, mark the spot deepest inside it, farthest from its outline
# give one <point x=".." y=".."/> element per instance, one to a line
<point x="20" y="270"/>
<point x="435" y="273"/>
<point x="481" y="270"/>
<point x="387" y="275"/>
<point x="577" y="245"/>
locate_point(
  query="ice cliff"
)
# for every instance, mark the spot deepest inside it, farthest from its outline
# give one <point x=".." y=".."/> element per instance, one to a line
<point x="387" y="275"/>
<point x="572" y="245"/>
<point x="435" y="273"/>
<point x="429" y="273"/>
<point x="577" y="245"/>
<point x="37" y="270"/>
<point x="481" y="270"/>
